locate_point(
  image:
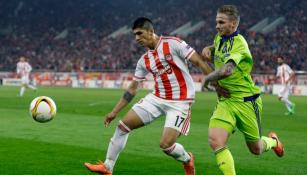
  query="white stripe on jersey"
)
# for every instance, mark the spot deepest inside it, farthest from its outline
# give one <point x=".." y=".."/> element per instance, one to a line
<point x="24" y="69"/>
<point x="283" y="72"/>
<point x="168" y="65"/>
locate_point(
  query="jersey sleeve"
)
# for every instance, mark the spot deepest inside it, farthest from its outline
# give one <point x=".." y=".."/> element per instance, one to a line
<point x="289" y="70"/>
<point x="29" y="67"/>
<point x="183" y="49"/>
<point x="236" y="54"/>
<point x="140" y="71"/>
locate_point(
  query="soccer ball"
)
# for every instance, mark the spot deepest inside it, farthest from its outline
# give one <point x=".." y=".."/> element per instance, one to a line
<point x="42" y="109"/>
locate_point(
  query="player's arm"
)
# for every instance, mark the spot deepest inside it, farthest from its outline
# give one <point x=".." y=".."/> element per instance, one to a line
<point x="123" y="102"/>
<point x="196" y="59"/>
<point x="291" y="77"/>
<point x="219" y="74"/>
<point x="207" y="52"/>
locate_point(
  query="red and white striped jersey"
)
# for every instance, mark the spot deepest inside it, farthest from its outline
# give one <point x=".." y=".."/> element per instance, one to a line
<point x="23" y="68"/>
<point x="168" y="65"/>
<point x="283" y="72"/>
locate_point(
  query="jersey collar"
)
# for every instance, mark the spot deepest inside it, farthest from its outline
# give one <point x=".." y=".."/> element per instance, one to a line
<point x="225" y="38"/>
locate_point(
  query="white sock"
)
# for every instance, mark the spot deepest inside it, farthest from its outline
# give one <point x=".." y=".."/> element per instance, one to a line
<point x="177" y="152"/>
<point x="22" y="91"/>
<point x="32" y="87"/>
<point x="116" y="145"/>
<point x="288" y="103"/>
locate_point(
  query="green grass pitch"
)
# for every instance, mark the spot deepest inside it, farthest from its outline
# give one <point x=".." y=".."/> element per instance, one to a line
<point x="77" y="135"/>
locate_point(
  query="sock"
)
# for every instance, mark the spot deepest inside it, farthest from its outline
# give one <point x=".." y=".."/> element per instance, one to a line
<point x="116" y="145"/>
<point x="269" y="143"/>
<point x="22" y="91"/>
<point x="225" y="161"/>
<point x="32" y="87"/>
<point x="177" y="152"/>
<point x="287" y="103"/>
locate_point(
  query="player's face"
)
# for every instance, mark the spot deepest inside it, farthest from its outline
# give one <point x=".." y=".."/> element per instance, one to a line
<point x="143" y="37"/>
<point x="22" y="59"/>
<point x="224" y="25"/>
<point x="280" y="61"/>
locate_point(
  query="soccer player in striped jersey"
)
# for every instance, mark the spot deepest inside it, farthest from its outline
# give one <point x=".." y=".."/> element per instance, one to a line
<point x="286" y="76"/>
<point x="233" y="63"/>
<point x="172" y="97"/>
<point x="23" y="70"/>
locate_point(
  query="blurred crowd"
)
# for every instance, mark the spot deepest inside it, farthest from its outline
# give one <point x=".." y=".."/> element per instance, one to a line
<point x="73" y="35"/>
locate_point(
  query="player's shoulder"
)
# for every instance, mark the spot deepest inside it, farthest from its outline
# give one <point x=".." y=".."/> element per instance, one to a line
<point x="145" y="55"/>
<point x="172" y="39"/>
<point x="240" y="41"/>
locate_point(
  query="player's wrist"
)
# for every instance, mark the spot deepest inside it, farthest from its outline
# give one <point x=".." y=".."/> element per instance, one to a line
<point x="115" y="112"/>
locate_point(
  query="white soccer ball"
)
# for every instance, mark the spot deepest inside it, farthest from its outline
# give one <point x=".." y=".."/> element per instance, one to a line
<point x="42" y="109"/>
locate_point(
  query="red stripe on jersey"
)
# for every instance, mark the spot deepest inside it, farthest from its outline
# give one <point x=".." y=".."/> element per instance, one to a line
<point x="177" y="71"/>
<point x="147" y="64"/>
<point x="186" y="123"/>
<point x="166" y="83"/>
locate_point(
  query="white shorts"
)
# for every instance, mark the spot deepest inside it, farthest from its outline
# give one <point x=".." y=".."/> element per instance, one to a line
<point x="284" y="92"/>
<point x="25" y="80"/>
<point x="177" y="113"/>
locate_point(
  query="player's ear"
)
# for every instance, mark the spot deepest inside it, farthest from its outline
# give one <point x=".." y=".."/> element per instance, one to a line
<point x="151" y="32"/>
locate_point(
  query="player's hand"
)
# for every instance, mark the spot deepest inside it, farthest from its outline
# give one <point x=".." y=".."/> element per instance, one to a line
<point x="206" y="53"/>
<point x="109" y="118"/>
<point x="220" y="90"/>
<point x="207" y="85"/>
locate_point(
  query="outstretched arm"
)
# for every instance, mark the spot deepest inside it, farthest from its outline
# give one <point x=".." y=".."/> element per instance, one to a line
<point x="123" y="102"/>
<point x="222" y="73"/>
<point x="206" y="69"/>
<point x="196" y="59"/>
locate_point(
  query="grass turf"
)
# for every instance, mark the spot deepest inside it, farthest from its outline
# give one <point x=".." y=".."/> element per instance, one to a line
<point x="77" y="135"/>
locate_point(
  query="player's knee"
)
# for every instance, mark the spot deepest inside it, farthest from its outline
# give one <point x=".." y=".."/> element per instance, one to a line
<point x="256" y="150"/>
<point x="123" y="127"/>
<point x="165" y="144"/>
<point x="216" y="143"/>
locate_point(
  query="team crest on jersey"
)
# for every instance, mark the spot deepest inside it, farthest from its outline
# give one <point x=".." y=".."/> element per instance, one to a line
<point x="168" y="57"/>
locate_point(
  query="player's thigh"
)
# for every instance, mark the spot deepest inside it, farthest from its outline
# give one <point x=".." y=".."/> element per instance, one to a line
<point x="132" y="120"/>
<point x="249" y="119"/>
<point x="178" y="115"/>
<point x="146" y="110"/>
<point x="223" y="117"/>
<point x="24" y="81"/>
<point x="282" y="92"/>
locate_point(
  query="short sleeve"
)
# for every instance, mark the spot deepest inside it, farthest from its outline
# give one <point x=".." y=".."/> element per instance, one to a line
<point x="289" y="70"/>
<point x="183" y="49"/>
<point x="140" y="71"/>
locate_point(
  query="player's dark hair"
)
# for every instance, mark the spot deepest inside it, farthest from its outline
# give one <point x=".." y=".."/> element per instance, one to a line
<point x="142" y="23"/>
<point x="280" y="56"/>
<point x="231" y="11"/>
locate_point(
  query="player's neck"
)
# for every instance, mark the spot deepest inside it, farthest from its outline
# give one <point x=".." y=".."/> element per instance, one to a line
<point x="155" y="42"/>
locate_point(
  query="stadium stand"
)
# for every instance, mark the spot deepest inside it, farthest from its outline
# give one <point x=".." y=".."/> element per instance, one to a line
<point x="72" y="35"/>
